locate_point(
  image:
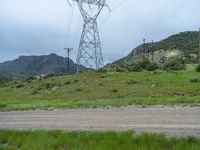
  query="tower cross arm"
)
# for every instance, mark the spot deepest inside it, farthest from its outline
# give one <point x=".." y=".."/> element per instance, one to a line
<point x="92" y="2"/>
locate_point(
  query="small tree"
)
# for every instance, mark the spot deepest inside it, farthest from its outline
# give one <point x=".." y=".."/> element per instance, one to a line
<point x="174" y="64"/>
<point x="144" y="64"/>
<point x="152" y="66"/>
<point x="134" y="67"/>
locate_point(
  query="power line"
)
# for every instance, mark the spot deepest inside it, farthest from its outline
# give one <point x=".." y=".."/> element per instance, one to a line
<point x="111" y="10"/>
<point x="78" y="27"/>
<point x="69" y="3"/>
<point x="69" y="23"/>
<point x="118" y="5"/>
<point x="105" y="20"/>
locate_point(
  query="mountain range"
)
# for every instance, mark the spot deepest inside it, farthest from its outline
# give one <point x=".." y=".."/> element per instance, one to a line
<point x="35" y="65"/>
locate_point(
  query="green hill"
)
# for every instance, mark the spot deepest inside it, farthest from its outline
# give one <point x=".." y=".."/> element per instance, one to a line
<point x="185" y="42"/>
<point x="102" y="89"/>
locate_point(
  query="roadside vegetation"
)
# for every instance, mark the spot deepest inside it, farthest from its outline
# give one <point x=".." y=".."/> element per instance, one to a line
<point x="58" y="140"/>
<point x="102" y="89"/>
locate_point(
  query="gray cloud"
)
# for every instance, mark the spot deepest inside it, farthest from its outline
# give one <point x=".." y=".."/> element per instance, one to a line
<point x="37" y="27"/>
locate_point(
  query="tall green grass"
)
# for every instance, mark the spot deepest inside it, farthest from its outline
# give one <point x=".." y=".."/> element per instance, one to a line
<point x="60" y="140"/>
<point x="72" y="104"/>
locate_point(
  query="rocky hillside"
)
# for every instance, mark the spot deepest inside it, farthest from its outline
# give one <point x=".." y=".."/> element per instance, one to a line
<point x="35" y="65"/>
<point x="185" y="42"/>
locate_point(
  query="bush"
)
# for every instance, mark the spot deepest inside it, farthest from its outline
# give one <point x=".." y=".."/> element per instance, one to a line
<point x="101" y="84"/>
<point x="103" y="76"/>
<point x="194" y="80"/>
<point x="198" y="68"/>
<point x="76" y="81"/>
<point x="131" y="81"/>
<point x="79" y="89"/>
<point x="174" y="64"/>
<point x="2" y="105"/>
<point x="48" y="85"/>
<point x="121" y="69"/>
<point x="143" y="64"/>
<point x="34" y="92"/>
<point x="134" y="67"/>
<point x="114" y="90"/>
<point x="18" y="86"/>
<point x="67" y="82"/>
<point x="152" y="66"/>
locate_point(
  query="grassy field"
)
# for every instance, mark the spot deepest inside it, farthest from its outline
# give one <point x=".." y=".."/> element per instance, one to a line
<point x="59" y="140"/>
<point x="103" y="89"/>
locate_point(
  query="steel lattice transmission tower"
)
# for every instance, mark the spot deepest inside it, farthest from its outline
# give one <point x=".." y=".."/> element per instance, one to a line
<point x="89" y="51"/>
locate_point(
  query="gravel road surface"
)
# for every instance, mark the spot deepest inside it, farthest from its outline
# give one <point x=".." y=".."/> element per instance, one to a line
<point x="179" y="121"/>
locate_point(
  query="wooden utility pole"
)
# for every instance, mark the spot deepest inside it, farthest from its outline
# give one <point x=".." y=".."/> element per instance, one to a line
<point x="68" y="60"/>
<point x="199" y="46"/>
<point x="152" y="51"/>
<point x="144" y="49"/>
<point x="148" y="52"/>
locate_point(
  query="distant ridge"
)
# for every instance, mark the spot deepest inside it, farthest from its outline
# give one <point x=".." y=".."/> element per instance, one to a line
<point x="185" y="42"/>
<point x="35" y="65"/>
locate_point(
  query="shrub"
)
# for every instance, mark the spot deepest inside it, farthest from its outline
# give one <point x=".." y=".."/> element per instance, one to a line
<point x="2" y="105"/>
<point x="67" y="82"/>
<point x="34" y="92"/>
<point x="121" y="69"/>
<point x="131" y="81"/>
<point x="48" y="85"/>
<point x="152" y="66"/>
<point x="79" y="89"/>
<point x="101" y="84"/>
<point x="76" y="81"/>
<point x="19" y="86"/>
<point x="194" y="80"/>
<point x="114" y="90"/>
<point x="103" y="76"/>
<point x="134" y="67"/>
<point x="174" y="64"/>
<point x="143" y="64"/>
<point x="198" y="68"/>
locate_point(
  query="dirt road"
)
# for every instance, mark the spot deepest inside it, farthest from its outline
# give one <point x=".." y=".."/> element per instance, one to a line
<point x="181" y="121"/>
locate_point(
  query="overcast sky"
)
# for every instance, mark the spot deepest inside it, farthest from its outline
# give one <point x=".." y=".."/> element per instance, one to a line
<point x="36" y="27"/>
